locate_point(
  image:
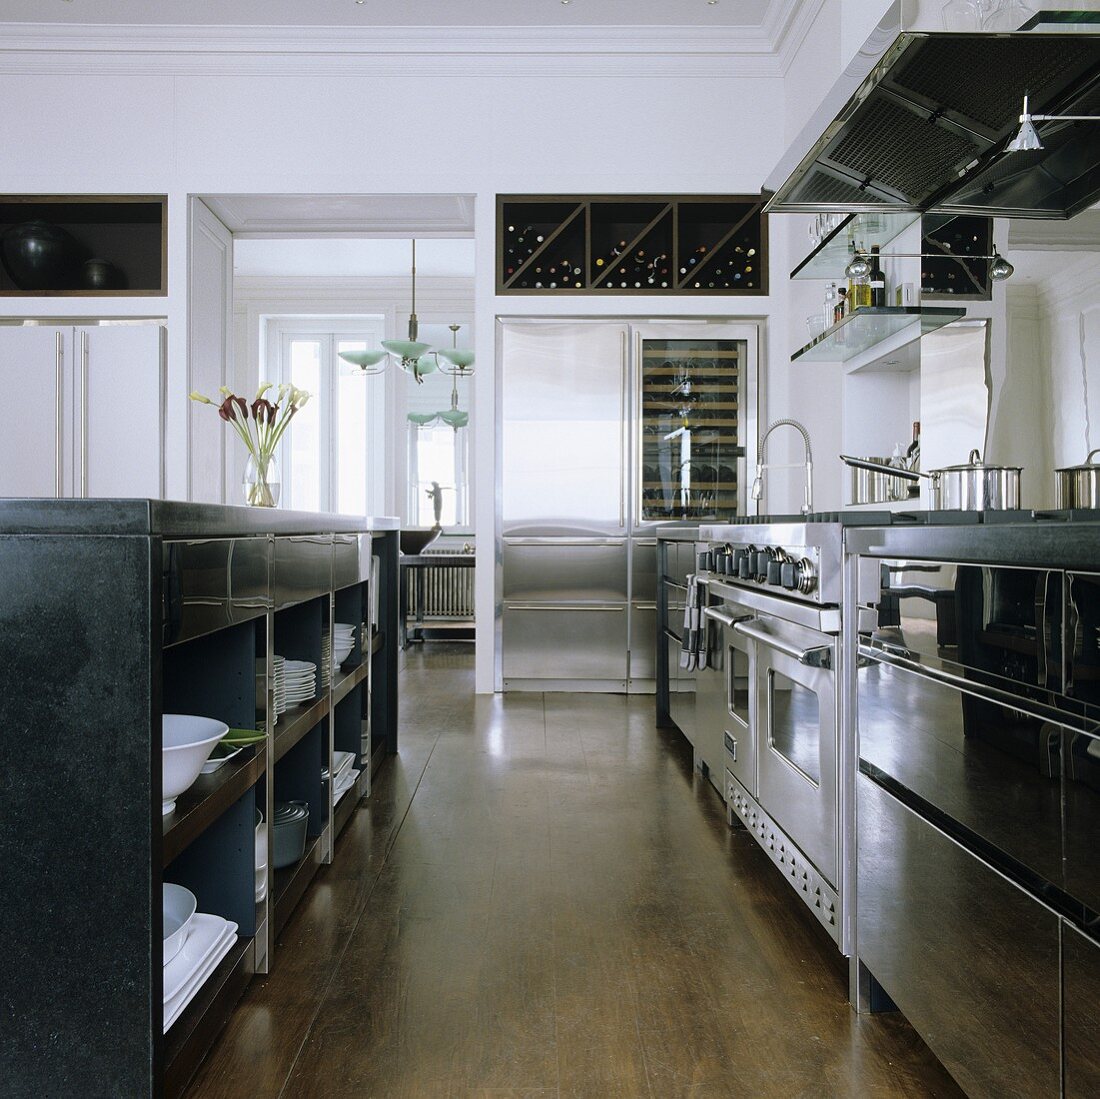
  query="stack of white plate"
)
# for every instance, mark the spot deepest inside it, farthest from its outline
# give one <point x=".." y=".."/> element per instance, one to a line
<point x="278" y="671"/>
<point x="193" y="949"/>
<point x="300" y="681"/>
<point x="346" y="775"/>
<point x="261" y="857"/>
<point x="336" y="648"/>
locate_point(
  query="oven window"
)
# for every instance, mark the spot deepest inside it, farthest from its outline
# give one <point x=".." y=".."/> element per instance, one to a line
<point x="737" y="688"/>
<point x="794" y="724"/>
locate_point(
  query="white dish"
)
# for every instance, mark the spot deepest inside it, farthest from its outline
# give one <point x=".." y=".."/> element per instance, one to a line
<point x="206" y="933"/>
<point x="342" y="761"/>
<point x="175" y="1007"/>
<point x="347" y="782"/>
<point x="214" y="762"/>
<point x="186" y="744"/>
<point x="261" y="843"/>
<point x="179" y="907"/>
<point x="261" y="883"/>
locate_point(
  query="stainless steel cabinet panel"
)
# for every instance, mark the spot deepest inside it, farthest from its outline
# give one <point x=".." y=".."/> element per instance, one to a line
<point x="565" y="570"/>
<point x="1081" y="983"/>
<point x="303" y="568"/>
<point x="643" y="570"/>
<point x="551" y="641"/>
<point x="970" y="959"/>
<point x="711" y="706"/>
<point x="979" y="762"/>
<point x="643" y="640"/>
<point x="1081" y="808"/>
<point x="351" y="559"/>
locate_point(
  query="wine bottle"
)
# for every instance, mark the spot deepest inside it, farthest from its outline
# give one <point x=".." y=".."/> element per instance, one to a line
<point x="876" y="280"/>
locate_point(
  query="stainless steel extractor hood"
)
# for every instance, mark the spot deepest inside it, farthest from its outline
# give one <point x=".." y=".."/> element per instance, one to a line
<point x="919" y="121"/>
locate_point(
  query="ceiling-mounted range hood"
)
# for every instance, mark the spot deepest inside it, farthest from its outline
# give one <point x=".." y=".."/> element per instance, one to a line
<point x="919" y="121"/>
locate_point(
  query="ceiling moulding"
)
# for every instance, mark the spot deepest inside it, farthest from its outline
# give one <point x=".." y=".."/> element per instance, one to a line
<point x="645" y="52"/>
<point x="787" y="25"/>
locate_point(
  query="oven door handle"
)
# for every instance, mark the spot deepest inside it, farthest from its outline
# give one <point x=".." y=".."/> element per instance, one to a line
<point x="726" y="619"/>
<point x="817" y="656"/>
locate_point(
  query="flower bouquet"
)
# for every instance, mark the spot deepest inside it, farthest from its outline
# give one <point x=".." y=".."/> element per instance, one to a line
<point x="260" y="432"/>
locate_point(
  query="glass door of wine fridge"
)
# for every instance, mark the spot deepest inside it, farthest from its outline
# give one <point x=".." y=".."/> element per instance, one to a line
<point x="695" y="421"/>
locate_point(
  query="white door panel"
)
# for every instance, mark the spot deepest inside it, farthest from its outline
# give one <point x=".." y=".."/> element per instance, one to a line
<point x="32" y="372"/>
<point x="118" y="428"/>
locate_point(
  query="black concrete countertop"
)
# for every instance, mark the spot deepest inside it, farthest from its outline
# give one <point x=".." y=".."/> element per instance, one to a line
<point x="1027" y="544"/>
<point x="175" y="519"/>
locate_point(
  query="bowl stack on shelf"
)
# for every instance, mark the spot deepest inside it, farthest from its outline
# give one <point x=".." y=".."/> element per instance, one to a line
<point x="291" y="829"/>
<point x="335" y="649"/>
<point x="194" y="945"/>
<point x="300" y="682"/>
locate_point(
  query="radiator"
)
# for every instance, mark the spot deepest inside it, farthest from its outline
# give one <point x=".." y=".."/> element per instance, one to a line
<point x="448" y="593"/>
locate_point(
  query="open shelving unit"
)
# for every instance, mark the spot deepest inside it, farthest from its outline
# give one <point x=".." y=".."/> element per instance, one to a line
<point x="863" y="329"/>
<point x="178" y="608"/>
<point x="631" y="244"/>
<point x="128" y="234"/>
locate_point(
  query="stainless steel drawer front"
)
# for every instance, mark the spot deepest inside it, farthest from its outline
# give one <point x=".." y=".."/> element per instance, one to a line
<point x="970" y="959"/>
<point x="565" y="571"/>
<point x="552" y="641"/>
<point x="303" y="568"/>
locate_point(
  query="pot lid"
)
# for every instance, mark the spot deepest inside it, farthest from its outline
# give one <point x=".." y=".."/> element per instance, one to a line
<point x="975" y="462"/>
<point x="1087" y="466"/>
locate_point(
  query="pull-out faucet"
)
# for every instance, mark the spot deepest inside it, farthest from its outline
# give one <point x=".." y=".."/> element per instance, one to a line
<point x="761" y="464"/>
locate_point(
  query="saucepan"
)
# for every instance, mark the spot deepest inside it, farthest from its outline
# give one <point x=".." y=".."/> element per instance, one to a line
<point x="974" y="486"/>
<point x="1078" y="486"/>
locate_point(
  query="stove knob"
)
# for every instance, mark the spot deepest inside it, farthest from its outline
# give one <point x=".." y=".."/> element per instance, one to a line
<point x="745" y="563"/>
<point x="789" y="575"/>
<point x="807" y="576"/>
<point x="760" y="565"/>
<point x="774" y="572"/>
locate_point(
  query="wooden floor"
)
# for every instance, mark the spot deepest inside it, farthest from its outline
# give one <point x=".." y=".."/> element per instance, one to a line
<point x="541" y="899"/>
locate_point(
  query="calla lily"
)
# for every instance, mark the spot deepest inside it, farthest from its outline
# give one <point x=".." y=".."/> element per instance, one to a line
<point x="262" y="390"/>
<point x="195" y="395"/>
<point x="263" y="411"/>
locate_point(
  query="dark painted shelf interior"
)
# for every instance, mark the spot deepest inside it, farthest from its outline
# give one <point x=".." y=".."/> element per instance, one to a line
<point x="127" y="234"/>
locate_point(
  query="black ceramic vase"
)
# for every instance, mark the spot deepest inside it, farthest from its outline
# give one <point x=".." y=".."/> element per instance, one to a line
<point x="39" y="256"/>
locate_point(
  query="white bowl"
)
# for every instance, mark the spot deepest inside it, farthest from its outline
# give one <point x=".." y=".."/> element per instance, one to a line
<point x="179" y="910"/>
<point x="186" y="744"/>
<point x="261" y="842"/>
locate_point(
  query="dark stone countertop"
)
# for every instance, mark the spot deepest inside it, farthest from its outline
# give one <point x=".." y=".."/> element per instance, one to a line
<point x="175" y="519"/>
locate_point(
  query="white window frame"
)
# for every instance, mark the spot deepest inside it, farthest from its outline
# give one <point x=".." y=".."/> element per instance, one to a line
<point x="329" y="331"/>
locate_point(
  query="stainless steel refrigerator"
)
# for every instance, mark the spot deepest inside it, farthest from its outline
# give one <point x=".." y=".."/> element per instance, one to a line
<point x="607" y="430"/>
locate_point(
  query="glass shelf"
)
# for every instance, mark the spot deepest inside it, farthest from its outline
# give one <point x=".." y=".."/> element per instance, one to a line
<point x="831" y="256"/>
<point x="863" y="328"/>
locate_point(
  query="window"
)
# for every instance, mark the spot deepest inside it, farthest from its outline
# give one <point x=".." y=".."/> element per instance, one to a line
<point x="332" y="457"/>
<point x="437" y="462"/>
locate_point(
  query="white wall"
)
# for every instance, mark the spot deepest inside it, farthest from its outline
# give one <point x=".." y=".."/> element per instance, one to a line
<point x="175" y="114"/>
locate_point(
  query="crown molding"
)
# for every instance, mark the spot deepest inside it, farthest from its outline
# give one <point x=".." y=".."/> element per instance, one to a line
<point x="352" y="293"/>
<point x="787" y="26"/>
<point x="389" y="51"/>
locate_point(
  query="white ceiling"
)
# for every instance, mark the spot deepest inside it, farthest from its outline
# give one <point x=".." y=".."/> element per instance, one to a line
<point x="391" y="257"/>
<point x="394" y="13"/>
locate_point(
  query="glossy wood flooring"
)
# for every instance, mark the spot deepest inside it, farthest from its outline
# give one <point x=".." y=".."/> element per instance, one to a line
<point x="540" y="899"/>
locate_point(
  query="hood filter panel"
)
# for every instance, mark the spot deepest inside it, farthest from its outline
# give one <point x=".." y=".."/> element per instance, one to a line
<point x="899" y="150"/>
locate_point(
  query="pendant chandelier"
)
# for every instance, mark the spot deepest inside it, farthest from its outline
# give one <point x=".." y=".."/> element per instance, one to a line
<point x="454" y="416"/>
<point x="412" y="355"/>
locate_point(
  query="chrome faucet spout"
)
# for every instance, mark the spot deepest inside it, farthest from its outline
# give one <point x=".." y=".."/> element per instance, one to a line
<point x="762" y="463"/>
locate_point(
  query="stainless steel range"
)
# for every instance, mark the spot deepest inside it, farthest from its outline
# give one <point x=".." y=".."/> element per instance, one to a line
<point x="768" y="703"/>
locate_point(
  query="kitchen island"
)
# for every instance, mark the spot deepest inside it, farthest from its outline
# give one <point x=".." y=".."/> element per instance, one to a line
<point x="112" y="613"/>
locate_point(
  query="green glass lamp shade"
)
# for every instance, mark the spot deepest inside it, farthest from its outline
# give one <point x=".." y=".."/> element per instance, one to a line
<point x="406" y="350"/>
<point x="455" y="417"/>
<point x="426" y="364"/>
<point x="421" y="419"/>
<point x="364" y="359"/>
<point x="457" y="357"/>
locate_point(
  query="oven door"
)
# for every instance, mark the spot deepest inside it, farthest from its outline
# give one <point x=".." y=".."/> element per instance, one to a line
<point x="727" y="738"/>
<point x="795" y="731"/>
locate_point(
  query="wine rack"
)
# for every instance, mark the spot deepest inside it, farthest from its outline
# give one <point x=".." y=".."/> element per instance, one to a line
<point x="953" y="275"/>
<point x="690" y="439"/>
<point x="618" y="244"/>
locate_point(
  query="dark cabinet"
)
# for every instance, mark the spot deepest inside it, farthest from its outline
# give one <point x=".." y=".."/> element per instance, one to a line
<point x="1081" y="981"/>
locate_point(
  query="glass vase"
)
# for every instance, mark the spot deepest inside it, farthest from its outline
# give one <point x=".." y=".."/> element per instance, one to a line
<point x="261" y="482"/>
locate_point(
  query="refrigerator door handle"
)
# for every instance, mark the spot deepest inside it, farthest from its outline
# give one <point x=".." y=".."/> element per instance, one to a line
<point x="593" y="543"/>
<point x="622" y="427"/>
